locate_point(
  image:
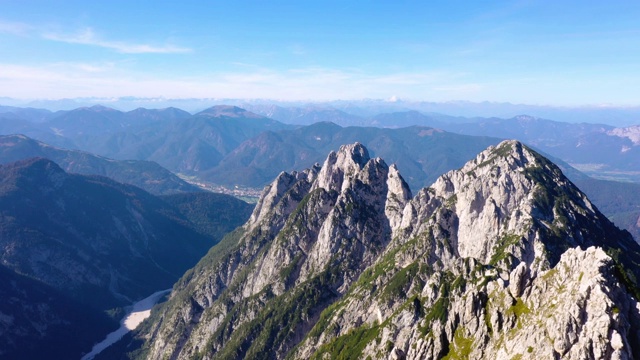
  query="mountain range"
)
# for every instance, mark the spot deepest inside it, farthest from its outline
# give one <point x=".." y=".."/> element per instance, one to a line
<point x="600" y="114"/>
<point x="189" y="143"/>
<point x="504" y="258"/>
<point x="230" y="146"/>
<point x="423" y="153"/>
<point x="600" y="150"/>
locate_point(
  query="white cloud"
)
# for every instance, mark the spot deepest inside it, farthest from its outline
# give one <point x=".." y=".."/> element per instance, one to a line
<point x="88" y="37"/>
<point x="71" y="80"/>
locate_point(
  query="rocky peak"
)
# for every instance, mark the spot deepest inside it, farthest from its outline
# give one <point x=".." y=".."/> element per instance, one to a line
<point x="398" y="196"/>
<point x="348" y="193"/>
<point x="344" y="164"/>
<point x="488" y="262"/>
<point x="507" y="190"/>
<point x="271" y="195"/>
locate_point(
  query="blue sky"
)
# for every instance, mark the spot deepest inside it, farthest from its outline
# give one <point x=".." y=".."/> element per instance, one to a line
<point x="535" y="52"/>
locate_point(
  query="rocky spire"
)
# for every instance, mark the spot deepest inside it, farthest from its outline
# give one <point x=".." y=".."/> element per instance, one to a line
<point x="341" y="166"/>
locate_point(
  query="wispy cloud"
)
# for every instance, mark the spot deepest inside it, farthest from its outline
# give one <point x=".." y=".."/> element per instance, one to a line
<point x="105" y="79"/>
<point x="88" y="37"/>
<point x="89" y="68"/>
<point x="15" y="28"/>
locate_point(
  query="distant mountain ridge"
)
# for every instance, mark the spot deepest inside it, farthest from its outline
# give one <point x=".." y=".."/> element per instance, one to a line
<point x="186" y="145"/>
<point x="145" y="174"/>
<point x="585" y="145"/>
<point x="74" y="129"/>
<point x="613" y="115"/>
<point x="422" y="153"/>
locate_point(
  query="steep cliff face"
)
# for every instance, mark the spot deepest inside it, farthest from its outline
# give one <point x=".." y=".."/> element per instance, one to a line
<point x="503" y="258"/>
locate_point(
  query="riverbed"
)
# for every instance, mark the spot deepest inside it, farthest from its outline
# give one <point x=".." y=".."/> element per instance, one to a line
<point x="140" y="311"/>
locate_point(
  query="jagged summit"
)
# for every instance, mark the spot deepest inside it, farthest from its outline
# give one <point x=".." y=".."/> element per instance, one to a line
<point x="350" y="166"/>
<point x="503" y="258"/>
<point x="511" y="189"/>
<point x="344" y="164"/>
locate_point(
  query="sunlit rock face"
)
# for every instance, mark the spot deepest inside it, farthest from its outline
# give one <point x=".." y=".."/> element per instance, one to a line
<point x="504" y="258"/>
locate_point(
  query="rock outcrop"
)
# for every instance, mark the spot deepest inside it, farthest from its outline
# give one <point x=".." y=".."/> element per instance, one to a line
<point x="504" y="258"/>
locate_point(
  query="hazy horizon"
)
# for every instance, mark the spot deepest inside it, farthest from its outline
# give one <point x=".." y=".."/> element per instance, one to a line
<point x="545" y="53"/>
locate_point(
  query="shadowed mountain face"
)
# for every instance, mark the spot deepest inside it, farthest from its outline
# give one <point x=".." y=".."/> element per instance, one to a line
<point x="100" y="241"/>
<point x="503" y="258"/>
<point x="37" y="321"/>
<point x="619" y="201"/>
<point x="213" y="215"/>
<point x="72" y="246"/>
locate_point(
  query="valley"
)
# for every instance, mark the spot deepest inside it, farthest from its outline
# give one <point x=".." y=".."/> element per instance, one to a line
<point x="78" y="248"/>
<point x="139" y="312"/>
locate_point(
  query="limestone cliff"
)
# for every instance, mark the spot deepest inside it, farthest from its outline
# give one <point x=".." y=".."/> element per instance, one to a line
<point x="503" y="258"/>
